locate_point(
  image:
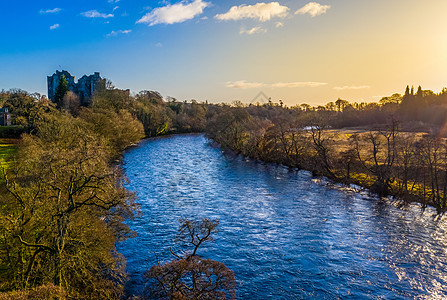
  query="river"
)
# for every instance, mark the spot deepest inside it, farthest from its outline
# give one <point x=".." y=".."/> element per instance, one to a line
<point x="285" y="233"/>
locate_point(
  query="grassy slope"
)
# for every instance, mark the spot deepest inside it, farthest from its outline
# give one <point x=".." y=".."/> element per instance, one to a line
<point x="7" y="148"/>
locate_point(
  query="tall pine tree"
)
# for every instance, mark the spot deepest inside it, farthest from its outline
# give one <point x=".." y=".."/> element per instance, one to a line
<point x="419" y="92"/>
<point x="61" y="90"/>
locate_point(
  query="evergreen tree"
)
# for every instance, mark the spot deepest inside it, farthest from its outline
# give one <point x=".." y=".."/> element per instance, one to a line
<point x="61" y="90"/>
<point x="419" y="92"/>
<point x="407" y="91"/>
<point x="412" y="90"/>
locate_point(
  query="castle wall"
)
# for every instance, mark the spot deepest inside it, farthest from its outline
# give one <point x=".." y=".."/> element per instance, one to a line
<point x="84" y="88"/>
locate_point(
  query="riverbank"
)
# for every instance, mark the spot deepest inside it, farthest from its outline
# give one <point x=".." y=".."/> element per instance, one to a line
<point x="407" y="166"/>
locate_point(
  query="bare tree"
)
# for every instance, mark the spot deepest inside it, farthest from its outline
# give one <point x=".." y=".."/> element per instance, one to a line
<point x="321" y="144"/>
<point x="190" y="276"/>
<point x="381" y="158"/>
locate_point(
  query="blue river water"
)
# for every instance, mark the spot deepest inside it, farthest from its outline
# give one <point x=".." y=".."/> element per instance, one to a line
<point x="284" y="233"/>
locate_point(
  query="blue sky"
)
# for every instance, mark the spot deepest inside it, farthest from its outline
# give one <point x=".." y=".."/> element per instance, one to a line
<point x="297" y="51"/>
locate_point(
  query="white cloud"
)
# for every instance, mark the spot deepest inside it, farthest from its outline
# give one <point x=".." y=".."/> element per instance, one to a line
<point x="50" y="11"/>
<point x="314" y="9"/>
<point x="257" y="29"/>
<point x="298" y="84"/>
<point x="115" y="8"/>
<point x="244" y="84"/>
<point x="279" y="24"/>
<point x="261" y="11"/>
<point x="114" y="1"/>
<point x="52" y="27"/>
<point x="351" y="87"/>
<point x="115" y="33"/>
<point x="96" y="14"/>
<point x="175" y="13"/>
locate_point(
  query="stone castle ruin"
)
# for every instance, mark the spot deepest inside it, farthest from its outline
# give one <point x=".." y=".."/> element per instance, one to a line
<point x="84" y="88"/>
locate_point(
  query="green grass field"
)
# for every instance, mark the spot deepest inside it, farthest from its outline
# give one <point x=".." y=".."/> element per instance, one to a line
<point x="7" y="148"/>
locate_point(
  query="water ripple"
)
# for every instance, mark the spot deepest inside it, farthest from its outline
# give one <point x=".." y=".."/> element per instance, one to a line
<point x="285" y="234"/>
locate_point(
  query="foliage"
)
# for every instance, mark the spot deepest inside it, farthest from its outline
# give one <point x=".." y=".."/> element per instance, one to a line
<point x="63" y="206"/>
<point x="191" y="117"/>
<point x="25" y="109"/>
<point x="43" y="292"/>
<point x="71" y="103"/>
<point x="112" y="99"/>
<point x="153" y="113"/>
<point x="192" y="277"/>
<point x="61" y="90"/>
<point x="11" y="131"/>
<point x="119" y="128"/>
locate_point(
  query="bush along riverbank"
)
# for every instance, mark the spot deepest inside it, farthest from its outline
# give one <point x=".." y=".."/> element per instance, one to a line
<point x="410" y="166"/>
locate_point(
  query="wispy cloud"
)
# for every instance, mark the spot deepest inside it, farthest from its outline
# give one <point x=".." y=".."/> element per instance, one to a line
<point x="279" y="24"/>
<point x="314" y="9"/>
<point x="115" y="8"/>
<point x="298" y="84"/>
<point x="96" y="14"/>
<point x="257" y="29"/>
<point x="351" y="87"/>
<point x="244" y="84"/>
<point x="176" y="13"/>
<point x="50" y="11"/>
<point x="113" y="1"/>
<point x="261" y="11"/>
<point x="115" y="33"/>
<point x="52" y="27"/>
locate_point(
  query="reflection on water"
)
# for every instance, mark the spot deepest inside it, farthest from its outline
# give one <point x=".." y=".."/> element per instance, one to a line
<point x="285" y="234"/>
